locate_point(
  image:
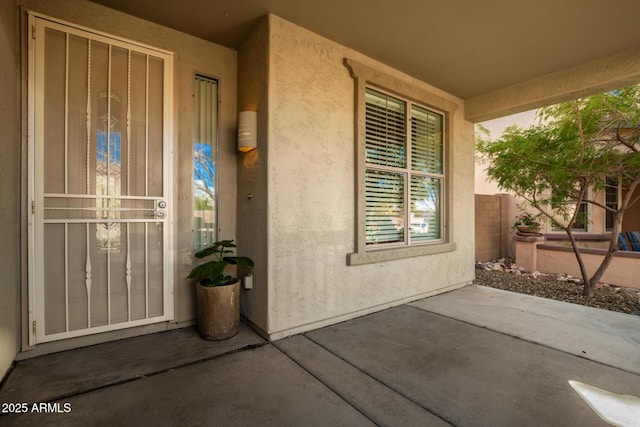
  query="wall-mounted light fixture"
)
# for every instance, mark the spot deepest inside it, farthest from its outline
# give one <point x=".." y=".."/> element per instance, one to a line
<point x="247" y="131"/>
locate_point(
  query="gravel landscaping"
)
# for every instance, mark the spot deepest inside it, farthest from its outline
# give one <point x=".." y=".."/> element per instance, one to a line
<point x="504" y="275"/>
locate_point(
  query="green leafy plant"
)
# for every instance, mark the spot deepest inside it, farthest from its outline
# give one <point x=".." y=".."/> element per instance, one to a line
<point x="211" y="273"/>
<point x="528" y="220"/>
<point x="574" y="152"/>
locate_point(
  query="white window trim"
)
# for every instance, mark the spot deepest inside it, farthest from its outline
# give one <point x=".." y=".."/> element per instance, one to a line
<point x="214" y="158"/>
<point x="365" y="76"/>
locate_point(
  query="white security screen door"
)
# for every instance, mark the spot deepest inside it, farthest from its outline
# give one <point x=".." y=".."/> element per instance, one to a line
<point x="99" y="183"/>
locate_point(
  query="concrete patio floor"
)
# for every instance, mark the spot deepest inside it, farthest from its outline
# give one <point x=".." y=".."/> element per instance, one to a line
<point x="472" y="357"/>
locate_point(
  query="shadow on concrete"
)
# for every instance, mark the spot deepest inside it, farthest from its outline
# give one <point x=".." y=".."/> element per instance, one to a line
<point x="469" y="357"/>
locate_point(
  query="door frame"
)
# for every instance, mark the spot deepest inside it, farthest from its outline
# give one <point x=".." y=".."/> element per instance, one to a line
<point x="35" y="224"/>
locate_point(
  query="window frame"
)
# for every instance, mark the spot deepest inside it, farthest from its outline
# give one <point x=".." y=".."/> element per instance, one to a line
<point x="408" y="172"/>
<point x="214" y="136"/>
<point x="366" y="77"/>
<point x="577" y="226"/>
<point x="611" y="183"/>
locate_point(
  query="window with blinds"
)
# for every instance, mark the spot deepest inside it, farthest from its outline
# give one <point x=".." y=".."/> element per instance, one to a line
<point x="205" y="147"/>
<point x="404" y="171"/>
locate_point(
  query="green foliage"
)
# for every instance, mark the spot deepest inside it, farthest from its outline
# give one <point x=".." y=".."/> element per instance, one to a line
<point x="202" y="203"/>
<point x="567" y="157"/>
<point x="528" y="220"/>
<point x="574" y="146"/>
<point x="211" y="273"/>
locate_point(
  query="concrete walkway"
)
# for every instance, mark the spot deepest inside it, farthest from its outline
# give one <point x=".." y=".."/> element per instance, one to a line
<point x="471" y="357"/>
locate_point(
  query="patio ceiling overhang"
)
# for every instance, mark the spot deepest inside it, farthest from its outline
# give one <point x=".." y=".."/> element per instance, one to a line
<point x="500" y="56"/>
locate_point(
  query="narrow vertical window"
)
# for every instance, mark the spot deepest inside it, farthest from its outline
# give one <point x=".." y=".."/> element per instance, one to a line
<point x="205" y="147"/>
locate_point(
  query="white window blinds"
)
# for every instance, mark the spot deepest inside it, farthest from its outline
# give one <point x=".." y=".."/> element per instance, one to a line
<point x="205" y="147"/>
<point x="385" y="128"/>
<point x="404" y="171"/>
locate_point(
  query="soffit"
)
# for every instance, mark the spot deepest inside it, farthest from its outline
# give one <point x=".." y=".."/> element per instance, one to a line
<point x="467" y="48"/>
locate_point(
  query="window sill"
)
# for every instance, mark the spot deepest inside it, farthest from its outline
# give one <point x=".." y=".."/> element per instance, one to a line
<point x="370" y="257"/>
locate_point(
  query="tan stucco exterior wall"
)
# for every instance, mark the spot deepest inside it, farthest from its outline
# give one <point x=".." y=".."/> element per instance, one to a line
<point x="253" y="167"/>
<point x="192" y="56"/>
<point x="496" y="128"/>
<point x="311" y="195"/>
<point x="623" y="270"/>
<point x="9" y="186"/>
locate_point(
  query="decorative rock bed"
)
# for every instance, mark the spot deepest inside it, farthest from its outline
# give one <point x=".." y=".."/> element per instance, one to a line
<point x="503" y="274"/>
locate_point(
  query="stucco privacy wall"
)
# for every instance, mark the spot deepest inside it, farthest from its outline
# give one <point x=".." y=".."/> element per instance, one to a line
<point x="312" y="197"/>
<point x="192" y="56"/>
<point x="9" y="187"/>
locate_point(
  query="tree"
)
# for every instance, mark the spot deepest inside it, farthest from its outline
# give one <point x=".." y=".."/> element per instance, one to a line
<point x="574" y="151"/>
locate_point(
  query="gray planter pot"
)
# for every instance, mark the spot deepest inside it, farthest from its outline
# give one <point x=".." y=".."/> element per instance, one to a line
<point x="218" y="311"/>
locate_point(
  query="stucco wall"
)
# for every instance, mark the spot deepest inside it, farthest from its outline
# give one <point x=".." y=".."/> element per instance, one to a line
<point x="496" y="128"/>
<point x="311" y="193"/>
<point x="623" y="270"/>
<point x="9" y="187"/>
<point x="253" y="205"/>
<point x="192" y="56"/>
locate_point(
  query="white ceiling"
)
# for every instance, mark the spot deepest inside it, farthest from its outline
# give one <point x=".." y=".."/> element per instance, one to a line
<point x="465" y="47"/>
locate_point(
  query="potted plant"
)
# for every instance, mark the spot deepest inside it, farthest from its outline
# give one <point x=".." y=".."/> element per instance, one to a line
<point x="218" y="295"/>
<point x="527" y="223"/>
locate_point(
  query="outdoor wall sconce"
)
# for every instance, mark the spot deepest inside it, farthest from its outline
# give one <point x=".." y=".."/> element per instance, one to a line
<point x="247" y="131"/>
